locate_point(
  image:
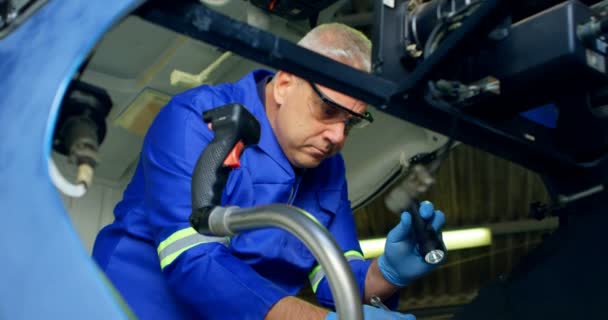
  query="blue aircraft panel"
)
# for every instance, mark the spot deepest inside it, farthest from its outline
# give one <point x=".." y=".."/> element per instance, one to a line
<point x="46" y="272"/>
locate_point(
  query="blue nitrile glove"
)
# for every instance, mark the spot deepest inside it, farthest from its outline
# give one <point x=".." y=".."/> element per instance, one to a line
<point x="401" y="263"/>
<point x="373" y="313"/>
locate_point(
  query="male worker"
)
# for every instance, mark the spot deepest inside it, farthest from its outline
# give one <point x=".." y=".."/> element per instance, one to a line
<point x="165" y="270"/>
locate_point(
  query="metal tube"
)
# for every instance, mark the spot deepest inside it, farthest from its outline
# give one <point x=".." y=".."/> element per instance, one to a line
<point x="312" y="233"/>
<point x="589" y="192"/>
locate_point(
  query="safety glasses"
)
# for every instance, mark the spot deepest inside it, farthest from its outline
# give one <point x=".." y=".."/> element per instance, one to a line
<point x="329" y="111"/>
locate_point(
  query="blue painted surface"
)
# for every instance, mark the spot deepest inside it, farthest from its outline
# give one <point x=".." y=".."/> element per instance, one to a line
<point x="544" y="115"/>
<point x="46" y="272"/>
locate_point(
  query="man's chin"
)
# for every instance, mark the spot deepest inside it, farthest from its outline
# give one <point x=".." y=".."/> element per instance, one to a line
<point x="308" y="162"/>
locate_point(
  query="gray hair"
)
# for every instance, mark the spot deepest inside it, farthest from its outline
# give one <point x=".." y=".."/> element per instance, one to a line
<point x="340" y="42"/>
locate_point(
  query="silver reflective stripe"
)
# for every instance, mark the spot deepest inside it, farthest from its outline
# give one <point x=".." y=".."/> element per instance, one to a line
<point x="316" y="279"/>
<point x="318" y="273"/>
<point x="181" y="241"/>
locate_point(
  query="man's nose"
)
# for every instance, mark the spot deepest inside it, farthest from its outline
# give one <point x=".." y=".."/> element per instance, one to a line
<point x="335" y="133"/>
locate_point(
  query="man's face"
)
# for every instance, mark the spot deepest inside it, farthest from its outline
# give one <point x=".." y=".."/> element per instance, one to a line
<point x="313" y="121"/>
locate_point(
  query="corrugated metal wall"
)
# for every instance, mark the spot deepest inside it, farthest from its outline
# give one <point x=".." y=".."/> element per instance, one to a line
<point x="473" y="188"/>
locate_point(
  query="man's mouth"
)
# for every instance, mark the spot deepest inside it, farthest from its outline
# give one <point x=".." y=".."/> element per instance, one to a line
<point x="319" y="153"/>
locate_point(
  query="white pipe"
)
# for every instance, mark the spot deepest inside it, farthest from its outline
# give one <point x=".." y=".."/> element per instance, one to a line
<point x="65" y="186"/>
<point x="215" y="2"/>
<point x="184" y="79"/>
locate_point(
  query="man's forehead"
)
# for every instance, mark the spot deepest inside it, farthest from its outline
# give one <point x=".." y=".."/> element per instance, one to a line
<point x="344" y="99"/>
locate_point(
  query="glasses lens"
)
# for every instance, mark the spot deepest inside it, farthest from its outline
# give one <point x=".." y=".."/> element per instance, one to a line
<point x="328" y="112"/>
<point x="325" y="110"/>
<point x="358" y="123"/>
<point x="353" y="122"/>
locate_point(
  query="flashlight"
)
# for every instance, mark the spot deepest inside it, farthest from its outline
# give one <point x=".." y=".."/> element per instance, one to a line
<point x="430" y="245"/>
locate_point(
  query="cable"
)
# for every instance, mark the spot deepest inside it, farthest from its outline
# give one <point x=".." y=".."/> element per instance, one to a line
<point x="449" y="23"/>
<point x="488" y="254"/>
<point x="432" y="99"/>
<point x="419" y="175"/>
<point x="65" y="186"/>
<point x="445" y="149"/>
<point x="399" y="198"/>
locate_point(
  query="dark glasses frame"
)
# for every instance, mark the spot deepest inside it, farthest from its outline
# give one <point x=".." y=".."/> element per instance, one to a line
<point x="367" y="116"/>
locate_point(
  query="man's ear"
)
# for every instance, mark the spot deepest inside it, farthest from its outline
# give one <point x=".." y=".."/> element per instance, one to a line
<point x="282" y="82"/>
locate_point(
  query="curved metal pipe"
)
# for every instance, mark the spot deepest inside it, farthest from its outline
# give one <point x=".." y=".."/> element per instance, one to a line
<point x="228" y="221"/>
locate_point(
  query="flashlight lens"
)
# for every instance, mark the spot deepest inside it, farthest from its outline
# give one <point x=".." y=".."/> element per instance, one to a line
<point x="434" y="256"/>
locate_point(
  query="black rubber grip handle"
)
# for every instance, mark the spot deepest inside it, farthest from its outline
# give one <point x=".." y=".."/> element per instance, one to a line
<point x="231" y="123"/>
<point x="427" y="238"/>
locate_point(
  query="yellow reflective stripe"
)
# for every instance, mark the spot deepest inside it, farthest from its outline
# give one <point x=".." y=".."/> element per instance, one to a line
<point x="317" y="274"/>
<point x="175" y="236"/>
<point x="353" y="255"/>
<point x="315" y="277"/>
<point x="170" y="258"/>
<point x="182" y="240"/>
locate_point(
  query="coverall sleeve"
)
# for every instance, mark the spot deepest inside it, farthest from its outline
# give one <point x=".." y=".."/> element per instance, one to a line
<point x="200" y="270"/>
<point x="344" y="230"/>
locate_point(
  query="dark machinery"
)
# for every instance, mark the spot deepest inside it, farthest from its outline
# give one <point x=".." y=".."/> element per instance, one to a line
<point x="294" y="9"/>
<point x="81" y="127"/>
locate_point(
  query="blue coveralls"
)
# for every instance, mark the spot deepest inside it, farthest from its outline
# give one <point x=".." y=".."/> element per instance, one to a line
<point x="165" y="270"/>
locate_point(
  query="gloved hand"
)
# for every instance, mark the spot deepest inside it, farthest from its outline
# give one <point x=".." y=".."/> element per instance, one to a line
<point x="373" y="313"/>
<point x="401" y="262"/>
